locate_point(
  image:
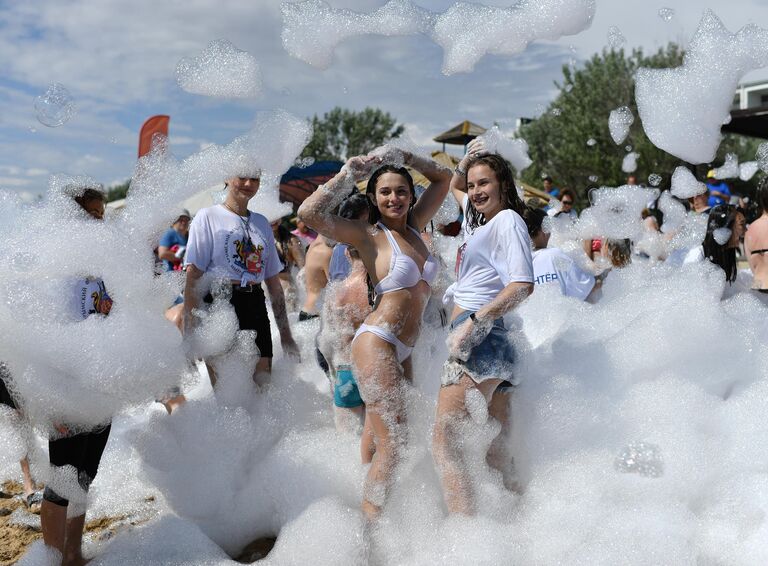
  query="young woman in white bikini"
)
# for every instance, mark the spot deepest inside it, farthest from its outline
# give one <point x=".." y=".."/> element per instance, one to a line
<point x="401" y="268"/>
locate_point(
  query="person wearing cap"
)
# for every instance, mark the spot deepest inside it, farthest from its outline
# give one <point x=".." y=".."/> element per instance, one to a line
<point x="173" y="243"/>
<point x="719" y="193"/>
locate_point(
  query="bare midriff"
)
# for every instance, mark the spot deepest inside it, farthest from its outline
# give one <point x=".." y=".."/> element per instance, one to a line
<point x="400" y="312"/>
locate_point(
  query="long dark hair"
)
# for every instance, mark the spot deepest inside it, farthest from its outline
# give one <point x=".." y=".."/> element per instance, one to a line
<point x="722" y="216"/>
<point x="370" y="190"/>
<point x="506" y="179"/>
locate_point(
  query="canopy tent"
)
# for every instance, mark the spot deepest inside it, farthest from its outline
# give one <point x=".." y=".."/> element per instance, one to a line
<point x="751" y="122"/>
<point x="300" y="182"/>
<point x="460" y="134"/>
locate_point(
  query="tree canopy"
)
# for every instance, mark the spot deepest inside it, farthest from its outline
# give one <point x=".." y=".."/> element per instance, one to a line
<point x="558" y="140"/>
<point x="343" y="133"/>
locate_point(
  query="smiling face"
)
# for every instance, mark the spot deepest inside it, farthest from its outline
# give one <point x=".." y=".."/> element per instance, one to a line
<point x="393" y="195"/>
<point x="244" y="188"/>
<point x="484" y="190"/>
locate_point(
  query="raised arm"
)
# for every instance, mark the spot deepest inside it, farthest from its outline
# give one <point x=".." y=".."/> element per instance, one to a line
<point x="459" y="178"/>
<point x="317" y="210"/>
<point x="439" y="181"/>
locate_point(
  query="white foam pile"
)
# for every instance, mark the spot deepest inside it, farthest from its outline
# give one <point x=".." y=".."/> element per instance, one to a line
<point x="89" y="370"/>
<point x="682" y="109"/>
<point x="761" y="156"/>
<point x="629" y="163"/>
<point x="747" y="170"/>
<point x="685" y="184"/>
<point x="619" y="122"/>
<point x="466" y="31"/>
<point x="730" y="168"/>
<point x="615" y="38"/>
<point x="514" y="150"/>
<point x="55" y="107"/>
<point x="220" y="70"/>
<point x="615" y="212"/>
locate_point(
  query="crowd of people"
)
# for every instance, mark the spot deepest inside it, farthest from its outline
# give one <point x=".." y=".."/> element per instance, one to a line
<point x="365" y="264"/>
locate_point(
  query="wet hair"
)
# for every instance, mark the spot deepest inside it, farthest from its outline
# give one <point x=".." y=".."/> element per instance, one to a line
<point x="374" y="215"/>
<point x="90" y="194"/>
<point x="722" y="216"/>
<point x="534" y="217"/>
<point x="619" y="251"/>
<point x="353" y="206"/>
<point x="761" y="195"/>
<point x="506" y="180"/>
<point x="566" y="191"/>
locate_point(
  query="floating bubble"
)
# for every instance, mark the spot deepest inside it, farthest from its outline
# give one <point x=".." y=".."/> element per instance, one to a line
<point x="666" y="14"/>
<point x="729" y="169"/>
<point x="685" y="185"/>
<point x="747" y="170"/>
<point x="615" y="38"/>
<point x="641" y="458"/>
<point x="628" y="148"/>
<point x="221" y="70"/>
<point x="629" y="164"/>
<point x="304" y="162"/>
<point x="593" y="178"/>
<point x="619" y="123"/>
<point x="591" y="142"/>
<point x="555" y="112"/>
<point x="762" y="156"/>
<point x="654" y="179"/>
<point x="55" y="107"/>
<point x="568" y="87"/>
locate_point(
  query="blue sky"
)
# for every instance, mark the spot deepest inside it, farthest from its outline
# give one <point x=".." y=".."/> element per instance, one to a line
<point x="118" y="60"/>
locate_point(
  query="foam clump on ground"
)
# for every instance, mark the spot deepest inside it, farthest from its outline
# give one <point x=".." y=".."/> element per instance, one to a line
<point x="685" y="184"/>
<point x="619" y="123"/>
<point x="220" y="70"/>
<point x="467" y="32"/>
<point x="683" y="108"/>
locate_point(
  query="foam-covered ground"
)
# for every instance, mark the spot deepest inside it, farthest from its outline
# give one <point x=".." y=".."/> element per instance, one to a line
<point x="639" y="436"/>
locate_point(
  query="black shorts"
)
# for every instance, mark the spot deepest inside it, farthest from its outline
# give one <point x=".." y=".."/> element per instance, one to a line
<point x="251" y="311"/>
<point x="82" y="451"/>
<point x="5" y="395"/>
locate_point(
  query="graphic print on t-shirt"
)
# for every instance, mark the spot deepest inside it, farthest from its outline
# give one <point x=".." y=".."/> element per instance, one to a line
<point x="243" y="254"/>
<point x="93" y="298"/>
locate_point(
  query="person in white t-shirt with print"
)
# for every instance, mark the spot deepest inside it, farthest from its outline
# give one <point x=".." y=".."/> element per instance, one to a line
<point x="552" y="266"/>
<point x="494" y="275"/>
<point x="232" y="243"/>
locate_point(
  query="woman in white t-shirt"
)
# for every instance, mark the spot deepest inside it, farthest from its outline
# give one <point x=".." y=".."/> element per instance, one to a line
<point x="232" y="243"/>
<point x="494" y="275"/>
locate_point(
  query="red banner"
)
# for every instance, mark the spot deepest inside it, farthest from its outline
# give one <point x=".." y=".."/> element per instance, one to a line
<point x="154" y="125"/>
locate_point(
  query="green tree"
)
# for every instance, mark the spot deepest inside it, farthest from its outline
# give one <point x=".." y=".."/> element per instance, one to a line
<point x="116" y="192"/>
<point x="558" y="139"/>
<point x="343" y="133"/>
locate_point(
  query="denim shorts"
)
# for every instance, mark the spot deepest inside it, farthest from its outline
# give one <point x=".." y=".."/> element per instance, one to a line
<point x="493" y="358"/>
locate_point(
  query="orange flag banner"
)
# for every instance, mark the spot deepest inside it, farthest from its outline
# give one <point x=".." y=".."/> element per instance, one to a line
<point x="154" y="125"/>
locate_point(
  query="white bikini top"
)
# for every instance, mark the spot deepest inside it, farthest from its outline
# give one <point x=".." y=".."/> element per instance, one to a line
<point x="404" y="273"/>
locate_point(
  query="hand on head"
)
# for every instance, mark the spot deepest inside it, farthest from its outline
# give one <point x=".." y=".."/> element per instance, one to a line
<point x="476" y="148"/>
<point x="360" y="167"/>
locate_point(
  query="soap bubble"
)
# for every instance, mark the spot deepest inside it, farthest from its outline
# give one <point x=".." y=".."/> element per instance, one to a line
<point x="666" y="14"/>
<point x="555" y="112"/>
<point x="619" y="123"/>
<point x="747" y="170"/>
<point x="55" y="107"/>
<point x="591" y="142"/>
<point x="615" y="38"/>
<point x="654" y="179"/>
<point x="641" y="458"/>
<point x="629" y="164"/>
<point x="729" y="169"/>
<point x="762" y="156"/>
<point x="593" y="178"/>
<point x="220" y="70"/>
<point x="685" y="185"/>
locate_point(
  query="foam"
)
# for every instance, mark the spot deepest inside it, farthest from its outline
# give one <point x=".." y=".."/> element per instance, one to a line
<point x="615" y="38"/>
<point x="466" y="32"/>
<point x="682" y="109"/>
<point x="762" y="156"/>
<point x="730" y="168"/>
<point x="220" y="70"/>
<point x="629" y="163"/>
<point x="685" y="185"/>
<point x="514" y="150"/>
<point x="666" y="14"/>
<point x="747" y="170"/>
<point x="619" y="123"/>
<point x="55" y="107"/>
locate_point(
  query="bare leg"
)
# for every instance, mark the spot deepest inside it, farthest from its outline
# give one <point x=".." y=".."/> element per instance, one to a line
<point x="73" y="553"/>
<point x="175" y="314"/>
<point x="29" y="485"/>
<point x="53" y="519"/>
<point x="367" y="444"/>
<point x="380" y="377"/>
<point x="448" y="447"/>
<point x="174" y="403"/>
<point x="499" y="456"/>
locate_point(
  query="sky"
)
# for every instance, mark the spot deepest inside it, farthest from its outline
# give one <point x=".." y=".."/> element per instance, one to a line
<point x="118" y="59"/>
